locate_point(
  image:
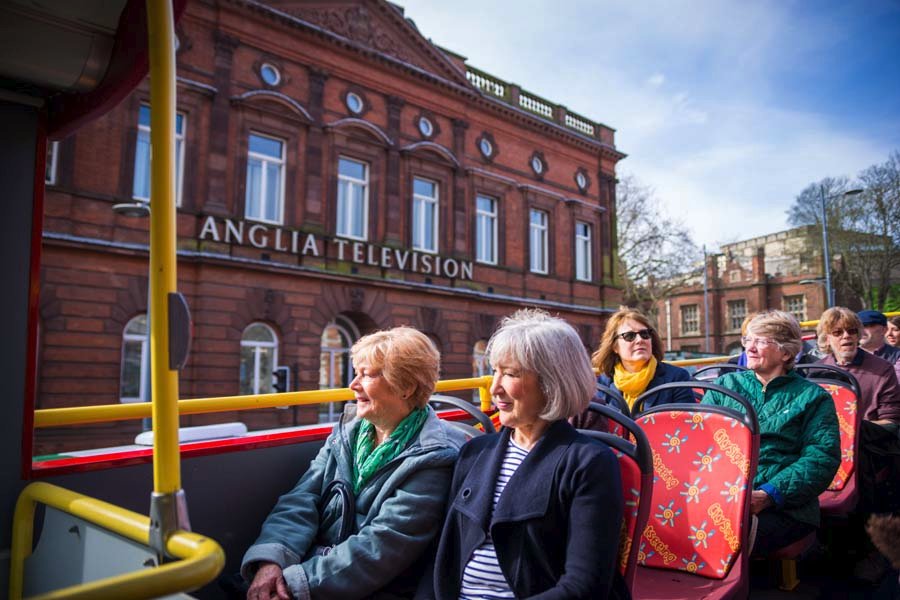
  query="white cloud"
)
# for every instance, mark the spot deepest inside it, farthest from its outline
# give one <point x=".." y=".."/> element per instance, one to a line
<point x="656" y="80"/>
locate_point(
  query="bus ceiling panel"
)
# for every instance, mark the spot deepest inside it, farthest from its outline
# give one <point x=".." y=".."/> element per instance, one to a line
<point x="58" y="45"/>
<point x="82" y="57"/>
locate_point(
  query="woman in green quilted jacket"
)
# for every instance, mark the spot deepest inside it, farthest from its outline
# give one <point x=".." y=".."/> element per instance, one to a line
<point x="799" y="448"/>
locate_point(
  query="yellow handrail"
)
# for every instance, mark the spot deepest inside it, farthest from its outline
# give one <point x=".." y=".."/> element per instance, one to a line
<point x="54" y="417"/>
<point x="200" y="558"/>
<point x="163" y="265"/>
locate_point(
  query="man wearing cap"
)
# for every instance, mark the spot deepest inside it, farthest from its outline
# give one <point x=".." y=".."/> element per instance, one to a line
<point x="872" y="338"/>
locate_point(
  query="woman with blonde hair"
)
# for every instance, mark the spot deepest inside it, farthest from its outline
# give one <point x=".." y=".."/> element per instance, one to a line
<point x="630" y="361"/>
<point x="395" y="458"/>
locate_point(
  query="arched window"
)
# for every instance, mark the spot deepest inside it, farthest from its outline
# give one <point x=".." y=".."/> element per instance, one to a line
<point x="335" y="368"/>
<point x="134" y="384"/>
<point x="259" y="357"/>
<point x="480" y="365"/>
<point x="734" y="349"/>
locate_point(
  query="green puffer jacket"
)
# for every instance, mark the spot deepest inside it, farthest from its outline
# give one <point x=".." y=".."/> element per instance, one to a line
<point x="799" y="446"/>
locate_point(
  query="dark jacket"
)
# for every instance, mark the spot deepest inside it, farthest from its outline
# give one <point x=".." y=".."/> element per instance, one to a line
<point x="799" y="446"/>
<point x="878" y="385"/>
<point x="556" y="526"/>
<point x="665" y="373"/>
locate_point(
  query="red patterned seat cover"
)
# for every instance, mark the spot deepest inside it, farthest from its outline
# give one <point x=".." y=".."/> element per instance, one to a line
<point x="701" y="465"/>
<point x="636" y="494"/>
<point x="845" y="405"/>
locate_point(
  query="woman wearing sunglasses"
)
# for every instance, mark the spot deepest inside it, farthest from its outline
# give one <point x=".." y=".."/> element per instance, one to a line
<point x="630" y="361"/>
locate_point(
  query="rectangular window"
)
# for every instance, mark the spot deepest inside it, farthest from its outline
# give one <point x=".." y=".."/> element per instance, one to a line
<point x="690" y="320"/>
<point x="141" y="190"/>
<point x="486" y="230"/>
<point x="50" y="166"/>
<point x="538" y="240"/>
<point x="582" y="251"/>
<point x="265" y="179"/>
<point x="737" y="310"/>
<point x="796" y="305"/>
<point x="353" y="199"/>
<point x="425" y="215"/>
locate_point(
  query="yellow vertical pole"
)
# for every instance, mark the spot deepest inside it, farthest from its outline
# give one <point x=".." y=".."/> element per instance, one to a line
<point x="163" y="274"/>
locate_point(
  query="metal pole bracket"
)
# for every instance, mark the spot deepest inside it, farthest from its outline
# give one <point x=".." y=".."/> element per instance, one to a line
<point x="168" y="513"/>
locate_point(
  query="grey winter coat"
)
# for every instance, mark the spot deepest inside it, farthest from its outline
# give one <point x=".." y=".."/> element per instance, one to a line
<point x="398" y="513"/>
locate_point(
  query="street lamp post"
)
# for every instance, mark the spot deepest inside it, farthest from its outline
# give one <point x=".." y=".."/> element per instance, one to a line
<point x="141" y="210"/>
<point x="829" y="290"/>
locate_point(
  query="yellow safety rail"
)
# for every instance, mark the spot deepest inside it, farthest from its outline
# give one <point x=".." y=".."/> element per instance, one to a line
<point x="163" y="262"/>
<point x="54" y="417"/>
<point x="200" y="558"/>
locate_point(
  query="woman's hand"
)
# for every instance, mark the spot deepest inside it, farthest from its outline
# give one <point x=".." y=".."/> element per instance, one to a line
<point x="760" y="501"/>
<point x="268" y="583"/>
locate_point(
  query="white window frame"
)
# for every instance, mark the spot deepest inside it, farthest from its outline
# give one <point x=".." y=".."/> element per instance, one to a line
<point x="257" y="347"/>
<point x="143" y="391"/>
<point x="735" y="318"/>
<point x="343" y="203"/>
<point x="802" y="297"/>
<point x="420" y="225"/>
<point x="695" y="319"/>
<point x="583" y="252"/>
<point x="267" y="162"/>
<point x="486" y="221"/>
<point x="50" y="167"/>
<point x="537" y="241"/>
<point x="331" y="411"/>
<point x="143" y="137"/>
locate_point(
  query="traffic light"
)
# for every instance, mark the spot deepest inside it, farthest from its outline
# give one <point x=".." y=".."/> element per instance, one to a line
<point x="281" y="379"/>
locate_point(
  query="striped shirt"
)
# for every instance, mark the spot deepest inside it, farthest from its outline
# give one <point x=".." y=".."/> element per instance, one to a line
<point x="482" y="577"/>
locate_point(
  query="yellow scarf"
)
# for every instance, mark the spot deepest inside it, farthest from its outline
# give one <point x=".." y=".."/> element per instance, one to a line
<point x="633" y="385"/>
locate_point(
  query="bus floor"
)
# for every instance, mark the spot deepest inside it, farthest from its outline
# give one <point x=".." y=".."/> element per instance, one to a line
<point x="826" y="571"/>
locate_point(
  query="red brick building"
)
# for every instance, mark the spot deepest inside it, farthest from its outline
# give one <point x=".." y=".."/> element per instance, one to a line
<point x="778" y="271"/>
<point x="338" y="173"/>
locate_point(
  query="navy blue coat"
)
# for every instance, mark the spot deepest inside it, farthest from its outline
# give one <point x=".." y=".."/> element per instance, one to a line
<point x="665" y="373"/>
<point x="556" y="526"/>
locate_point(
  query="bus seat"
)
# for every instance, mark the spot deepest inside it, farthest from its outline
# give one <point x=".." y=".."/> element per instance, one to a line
<point x="617" y="402"/>
<point x="636" y="466"/>
<point x="788" y="556"/>
<point x="704" y="458"/>
<point x="842" y="495"/>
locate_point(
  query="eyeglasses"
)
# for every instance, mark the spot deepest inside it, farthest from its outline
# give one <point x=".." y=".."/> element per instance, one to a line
<point x="840" y="332"/>
<point x="748" y="341"/>
<point x="629" y="336"/>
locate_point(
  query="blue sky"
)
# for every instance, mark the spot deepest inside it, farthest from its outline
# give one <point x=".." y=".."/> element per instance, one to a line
<point x="728" y="109"/>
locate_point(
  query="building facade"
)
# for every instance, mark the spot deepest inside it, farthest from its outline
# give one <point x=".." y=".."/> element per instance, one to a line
<point x="337" y="173"/>
<point x="778" y="271"/>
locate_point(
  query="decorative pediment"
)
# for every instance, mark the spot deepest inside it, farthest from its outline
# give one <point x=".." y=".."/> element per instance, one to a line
<point x="377" y="25"/>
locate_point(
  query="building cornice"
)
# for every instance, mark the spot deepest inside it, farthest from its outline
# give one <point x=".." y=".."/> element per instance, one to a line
<point x="67" y="240"/>
<point x="534" y="121"/>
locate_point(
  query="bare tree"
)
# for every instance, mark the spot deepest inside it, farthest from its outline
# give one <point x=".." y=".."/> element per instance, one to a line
<point x="656" y="254"/>
<point x="864" y="229"/>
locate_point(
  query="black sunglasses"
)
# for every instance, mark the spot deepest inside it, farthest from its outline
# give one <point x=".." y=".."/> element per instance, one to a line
<point x="629" y="336"/>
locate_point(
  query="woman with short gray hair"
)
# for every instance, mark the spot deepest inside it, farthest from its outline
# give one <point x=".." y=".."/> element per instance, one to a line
<point x="536" y="508"/>
<point x="799" y="449"/>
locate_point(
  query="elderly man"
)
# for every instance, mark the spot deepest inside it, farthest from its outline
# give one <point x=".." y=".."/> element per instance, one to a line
<point x="839" y="333"/>
<point x="872" y="338"/>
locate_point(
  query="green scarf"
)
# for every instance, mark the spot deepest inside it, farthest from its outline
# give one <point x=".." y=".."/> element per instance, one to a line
<point x="367" y="458"/>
